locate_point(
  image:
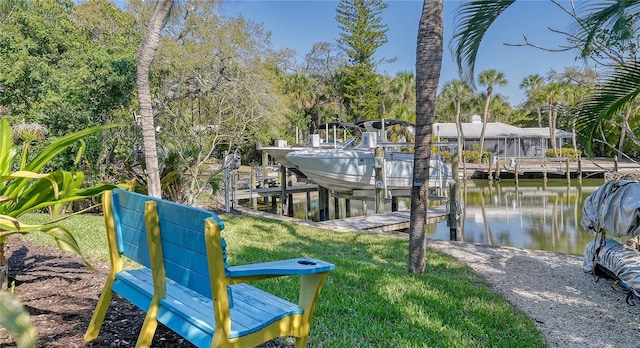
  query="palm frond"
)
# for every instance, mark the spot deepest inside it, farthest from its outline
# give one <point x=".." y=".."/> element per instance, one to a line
<point x="614" y="16"/>
<point x="608" y="99"/>
<point x="472" y="22"/>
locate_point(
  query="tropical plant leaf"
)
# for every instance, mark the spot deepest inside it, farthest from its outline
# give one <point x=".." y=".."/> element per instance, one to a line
<point x="611" y="16"/>
<point x="472" y="22"/>
<point x="15" y="319"/>
<point x="53" y="149"/>
<point x="607" y="101"/>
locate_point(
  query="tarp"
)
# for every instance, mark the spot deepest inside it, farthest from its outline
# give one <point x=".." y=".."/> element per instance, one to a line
<point x="613" y="208"/>
<point x="623" y="262"/>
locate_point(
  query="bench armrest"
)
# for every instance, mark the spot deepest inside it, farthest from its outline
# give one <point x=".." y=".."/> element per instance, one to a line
<point x="298" y="266"/>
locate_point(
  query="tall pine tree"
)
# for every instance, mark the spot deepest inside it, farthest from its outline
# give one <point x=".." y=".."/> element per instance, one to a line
<point x="362" y="33"/>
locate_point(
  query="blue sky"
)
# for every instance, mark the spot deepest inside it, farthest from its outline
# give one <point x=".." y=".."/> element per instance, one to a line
<point x="298" y="24"/>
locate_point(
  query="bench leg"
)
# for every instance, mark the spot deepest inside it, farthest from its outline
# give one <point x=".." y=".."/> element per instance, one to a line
<point x="99" y="313"/>
<point x="149" y="327"/>
<point x="310" y="287"/>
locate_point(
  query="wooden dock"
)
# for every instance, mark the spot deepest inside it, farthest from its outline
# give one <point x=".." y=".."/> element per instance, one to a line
<point x="372" y="223"/>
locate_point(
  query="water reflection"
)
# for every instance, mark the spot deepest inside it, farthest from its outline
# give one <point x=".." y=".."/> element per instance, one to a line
<point x="530" y="215"/>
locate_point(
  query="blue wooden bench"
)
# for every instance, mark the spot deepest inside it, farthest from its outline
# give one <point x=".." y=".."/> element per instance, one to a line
<point x="186" y="284"/>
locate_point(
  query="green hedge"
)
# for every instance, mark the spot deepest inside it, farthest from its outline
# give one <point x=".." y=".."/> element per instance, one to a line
<point x="571" y="154"/>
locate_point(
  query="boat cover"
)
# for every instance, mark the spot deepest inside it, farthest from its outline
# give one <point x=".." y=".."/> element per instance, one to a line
<point x="613" y="208"/>
<point x="622" y="262"/>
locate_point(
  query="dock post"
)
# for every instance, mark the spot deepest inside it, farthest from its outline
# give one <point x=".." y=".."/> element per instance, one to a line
<point x="323" y="203"/>
<point x="265" y="175"/>
<point x="283" y="190"/>
<point x="544" y="170"/>
<point x="380" y="179"/>
<point x="490" y="174"/>
<point x="274" y="205"/>
<point x="498" y="170"/>
<point x="580" y="169"/>
<point x="254" y="180"/>
<point x="568" y="169"/>
<point x="453" y="212"/>
<point x="515" y="172"/>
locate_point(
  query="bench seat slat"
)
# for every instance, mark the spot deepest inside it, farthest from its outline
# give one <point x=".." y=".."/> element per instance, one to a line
<point x="191" y="314"/>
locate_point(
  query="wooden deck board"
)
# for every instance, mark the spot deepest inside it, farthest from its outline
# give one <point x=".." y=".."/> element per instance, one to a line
<point x="384" y="222"/>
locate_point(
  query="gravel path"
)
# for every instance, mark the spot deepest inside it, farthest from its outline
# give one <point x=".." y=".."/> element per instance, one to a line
<point x="570" y="308"/>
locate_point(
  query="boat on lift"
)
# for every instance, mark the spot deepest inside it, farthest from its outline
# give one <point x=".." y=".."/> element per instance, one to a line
<point x="353" y="166"/>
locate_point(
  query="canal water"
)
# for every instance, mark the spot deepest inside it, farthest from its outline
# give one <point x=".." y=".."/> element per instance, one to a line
<point x="529" y="215"/>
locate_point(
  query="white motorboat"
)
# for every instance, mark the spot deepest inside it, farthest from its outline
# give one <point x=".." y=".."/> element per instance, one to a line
<point x="352" y="168"/>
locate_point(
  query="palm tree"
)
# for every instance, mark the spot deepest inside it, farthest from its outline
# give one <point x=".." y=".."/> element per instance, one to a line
<point x="150" y="44"/>
<point x="553" y="94"/>
<point x="489" y="78"/>
<point x="530" y="84"/>
<point x="428" y="64"/>
<point x="457" y="90"/>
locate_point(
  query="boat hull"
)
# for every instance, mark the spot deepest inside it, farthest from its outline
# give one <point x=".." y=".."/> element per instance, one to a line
<point x="349" y="170"/>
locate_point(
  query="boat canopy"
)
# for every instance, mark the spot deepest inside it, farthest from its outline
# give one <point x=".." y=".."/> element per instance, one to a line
<point x="613" y="208"/>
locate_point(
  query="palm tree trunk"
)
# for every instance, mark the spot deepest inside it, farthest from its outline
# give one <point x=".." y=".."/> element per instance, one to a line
<point x="148" y="50"/>
<point x="428" y="63"/>
<point x="484" y="122"/>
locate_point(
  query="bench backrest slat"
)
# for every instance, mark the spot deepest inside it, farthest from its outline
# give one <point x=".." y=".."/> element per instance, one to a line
<point x="183" y="242"/>
<point x="131" y="233"/>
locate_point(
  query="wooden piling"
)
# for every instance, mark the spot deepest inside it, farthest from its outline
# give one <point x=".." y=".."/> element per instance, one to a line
<point x="379" y="177"/>
<point x="283" y="190"/>
<point x="308" y="214"/>
<point x="323" y="204"/>
<point x="347" y="208"/>
<point x="580" y="169"/>
<point x="453" y="212"/>
<point x="265" y="174"/>
<point x="254" y="184"/>
<point x="515" y="172"/>
<point x="568" y="169"/>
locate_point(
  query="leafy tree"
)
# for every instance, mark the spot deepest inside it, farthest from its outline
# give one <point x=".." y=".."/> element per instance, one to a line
<point x="428" y="63"/>
<point x="362" y="33"/>
<point x="219" y="91"/>
<point x="67" y="67"/>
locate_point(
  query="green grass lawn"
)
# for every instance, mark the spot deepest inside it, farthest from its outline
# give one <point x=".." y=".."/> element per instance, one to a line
<point x="370" y="300"/>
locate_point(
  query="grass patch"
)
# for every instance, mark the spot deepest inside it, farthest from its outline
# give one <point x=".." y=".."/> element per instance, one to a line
<point x="370" y="300"/>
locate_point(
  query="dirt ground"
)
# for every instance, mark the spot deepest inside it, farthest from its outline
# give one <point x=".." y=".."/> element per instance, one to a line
<point x="60" y="294"/>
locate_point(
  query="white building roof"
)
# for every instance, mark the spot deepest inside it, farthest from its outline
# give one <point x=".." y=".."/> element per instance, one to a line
<point x="494" y="130"/>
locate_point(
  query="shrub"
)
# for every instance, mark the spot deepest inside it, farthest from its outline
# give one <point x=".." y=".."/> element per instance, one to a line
<point x="572" y="154"/>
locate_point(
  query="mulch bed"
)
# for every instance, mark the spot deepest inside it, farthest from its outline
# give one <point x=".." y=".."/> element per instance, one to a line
<point x="60" y="294"/>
